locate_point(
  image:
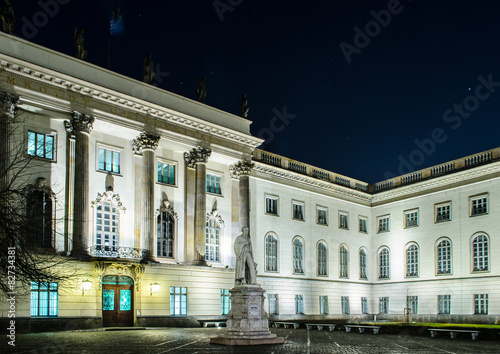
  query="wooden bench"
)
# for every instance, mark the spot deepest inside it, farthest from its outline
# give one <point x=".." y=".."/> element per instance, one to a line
<point x="453" y="332"/>
<point x="286" y="324"/>
<point x="320" y="326"/>
<point x="216" y="323"/>
<point x="362" y="328"/>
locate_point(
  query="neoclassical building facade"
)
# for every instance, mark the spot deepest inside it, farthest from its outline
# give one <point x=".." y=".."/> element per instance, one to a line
<point x="144" y="192"/>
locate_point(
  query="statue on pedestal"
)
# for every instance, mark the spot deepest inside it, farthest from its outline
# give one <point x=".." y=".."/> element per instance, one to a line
<point x="7" y="17"/>
<point x="246" y="273"/>
<point x="79" y="43"/>
<point x="244" y="106"/>
<point x="148" y="70"/>
<point x="201" y="91"/>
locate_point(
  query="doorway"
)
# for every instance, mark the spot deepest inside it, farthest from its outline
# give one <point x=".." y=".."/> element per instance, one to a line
<point x="117" y="301"/>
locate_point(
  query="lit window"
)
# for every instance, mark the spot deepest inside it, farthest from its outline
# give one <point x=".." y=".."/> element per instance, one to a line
<point x="344" y="262"/>
<point x="443" y="251"/>
<point x="271" y="205"/>
<point x="322" y="259"/>
<point x="478" y="205"/>
<point x="383" y="264"/>
<point x="165" y="235"/>
<point x="412" y="261"/>
<point x="271" y="253"/>
<point x="107" y="226"/>
<point x="213" y="184"/>
<point x="481" y="304"/>
<point x="411" y="218"/>
<point x="412" y="303"/>
<point x="41" y="145"/>
<point x="178" y="301"/>
<point x="480" y="253"/>
<point x="298" y="211"/>
<point x="345" y="305"/>
<point x="442" y="212"/>
<point x="212" y="239"/>
<point x="44" y="299"/>
<point x="299" y="304"/>
<point x="109" y="160"/>
<point x="383" y="224"/>
<point x="362" y="225"/>
<point x="383" y="305"/>
<point x="362" y="264"/>
<point x="298" y="256"/>
<point x="444" y="304"/>
<point x="323" y="305"/>
<point x="364" y="305"/>
<point x="322" y="216"/>
<point x="344" y="221"/>
<point x="273" y="304"/>
<point x="166" y="173"/>
<point x="225" y="301"/>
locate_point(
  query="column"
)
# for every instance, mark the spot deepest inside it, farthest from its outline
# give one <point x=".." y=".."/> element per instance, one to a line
<point x="70" y="189"/>
<point x="148" y="142"/>
<point x="189" y="206"/>
<point x="7" y="115"/>
<point x="81" y="126"/>
<point x="242" y="170"/>
<point x="138" y="204"/>
<point x="200" y="156"/>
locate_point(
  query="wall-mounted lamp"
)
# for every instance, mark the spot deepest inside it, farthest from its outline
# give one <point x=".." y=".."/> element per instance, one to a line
<point x="86" y="285"/>
<point x="155" y="287"/>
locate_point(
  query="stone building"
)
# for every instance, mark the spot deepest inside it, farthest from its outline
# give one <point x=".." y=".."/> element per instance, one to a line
<point x="145" y="191"/>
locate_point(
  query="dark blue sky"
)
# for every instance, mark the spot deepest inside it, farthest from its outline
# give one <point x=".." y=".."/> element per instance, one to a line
<point x="360" y="119"/>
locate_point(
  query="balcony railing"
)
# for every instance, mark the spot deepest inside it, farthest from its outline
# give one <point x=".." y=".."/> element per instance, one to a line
<point x="117" y="252"/>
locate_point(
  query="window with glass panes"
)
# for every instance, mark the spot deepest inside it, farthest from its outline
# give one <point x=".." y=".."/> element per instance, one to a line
<point x="44" y="301"/>
<point x="323" y="304"/>
<point x="444" y="304"/>
<point x="343" y="221"/>
<point x="443" y="213"/>
<point x="383" y="304"/>
<point x="109" y="160"/>
<point x="411" y="218"/>
<point x="271" y="253"/>
<point x="364" y="305"/>
<point x="412" y="261"/>
<point x="383" y="224"/>
<point x="383" y="257"/>
<point x="412" y="302"/>
<point x="345" y="305"/>
<point x="273" y="303"/>
<point x="225" y="301"/>
<point x="322" y="259"/>
<point x="481" y="304"/>
<point x="480" y="253"/>
<point x="165" y="235"/>
<point x="362" y="264"/>
<point x="362" y="225"/>
<point x="479" y="206"/>
<point x="272" y="205"/>
<point x="41" y="145"/>
<point x="213" y="184"/>
<point x="39" y="212"/>
<point x="344" y="262"/>
<point x="298" y="211"/>
<point x="444" y="257"/>
<point x="178" y="301"/>
<point x="166" y="173"/>
<point x="212" y="240"/>
<point x="299" y="304"/>
<point x="322" y="216"/>
<point x="298" y="256"/>
<point x="107" y="224"/>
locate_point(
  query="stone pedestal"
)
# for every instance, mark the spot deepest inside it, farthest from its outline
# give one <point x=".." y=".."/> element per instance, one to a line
<point x="247" y="322"/>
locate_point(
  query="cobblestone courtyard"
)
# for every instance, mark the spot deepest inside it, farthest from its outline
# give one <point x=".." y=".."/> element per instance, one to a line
<point x="196" y="340"/>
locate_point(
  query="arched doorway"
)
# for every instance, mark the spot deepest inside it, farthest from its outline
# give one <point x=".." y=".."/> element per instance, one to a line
<point x="117" y="301"/>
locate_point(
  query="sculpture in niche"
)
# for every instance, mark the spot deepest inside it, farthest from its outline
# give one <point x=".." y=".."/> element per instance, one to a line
<point x="246" y="268"/>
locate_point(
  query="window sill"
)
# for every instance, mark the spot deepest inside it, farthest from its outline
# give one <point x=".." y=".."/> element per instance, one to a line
<point x="475" y="215"/>
<point x="112" y="173"/>
<point x="443" y="274"/>
<point x="383" y="231"/>
<point x="321" y="224"/>
<point x="215" y="194"/>
<point x="299" y="220"/>
<point x="441" y="221"/>
<point x="166" y="184"/>
<point x="344" y="228"/>
<point x="269" y="214"/>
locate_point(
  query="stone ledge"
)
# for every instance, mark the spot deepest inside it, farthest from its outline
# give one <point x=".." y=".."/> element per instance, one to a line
<point x="246" y="340"/>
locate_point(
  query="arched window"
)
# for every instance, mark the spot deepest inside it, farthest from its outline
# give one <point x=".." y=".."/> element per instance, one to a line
<point x="362" y="264"/>
<point x="165" y="235"/>
<point x="212" y="240"/>
<point x="344" y="262"/>
<point x="298" y="256"/>
<point x="383" y="264"/>
<point x="40" y="213"/>
<point x="480" y="253"/>
<point x="271" y="253"/>
<point x="443" y="252"/>
<point x="412" y="260"/>
<point x="322" y="259"/>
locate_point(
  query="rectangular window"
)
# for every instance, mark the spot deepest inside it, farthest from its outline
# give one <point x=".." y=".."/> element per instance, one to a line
<point x="299" y="304"/>
<point x="383" y="224"/>
<point x="178" y="301"/>
<point x="44" y="299"/>
<point x="322" y="216"/>
<point x="298" y="211"/>
<point x="213" y="184"/>
<point x="411" y="218"/>
<point x="323" y="304"/>
<point x="109" y="160"/>
<point x="362" y="225"/>
<point x="345" y="305"/>
<point x="383" y="303"/>
<point x="478" y="205"/>
<point x="412" y="302"/>
<point x="273" y="304"/>
<point x="364" y="305"/>
<point x="481" y="304"/>
<point x="442" y="212"/>
<point x="343" y="220"/>
<point x="41" y="145"/>
<point x="166" y="173"/>
<point x="444" y="304"/>
<point x="271" y="205"/>
<point x="225" y="301"/>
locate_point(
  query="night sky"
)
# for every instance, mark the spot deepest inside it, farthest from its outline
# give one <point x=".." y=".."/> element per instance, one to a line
<point x="430" y="71"/>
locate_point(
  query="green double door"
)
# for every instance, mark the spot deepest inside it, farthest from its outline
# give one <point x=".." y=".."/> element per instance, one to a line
<point x="117" y="301"/>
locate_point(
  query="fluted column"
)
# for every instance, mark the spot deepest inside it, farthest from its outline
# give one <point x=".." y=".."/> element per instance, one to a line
<point x="81" y="126"/>
<point x="148" y="142"/>
<point x="242" y="171"/>
<point x="200" y="156"/>
<point x="69" y="190"/>
<point x="8" y="113"/>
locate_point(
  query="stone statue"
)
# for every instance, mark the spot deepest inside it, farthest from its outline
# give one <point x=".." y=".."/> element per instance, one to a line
<point x="246" y="268"/>
<point x="79" y="43"/>
<point x="7" y="17"/>
<point x="244" y="106"/>
<point x="201" y="91"/>
<point x="148" y="70"/>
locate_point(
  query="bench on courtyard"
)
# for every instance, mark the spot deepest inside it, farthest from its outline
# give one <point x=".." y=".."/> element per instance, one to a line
<point x="331" y="326"/>
<point x="216" y="323"/>
<point x="362" y="328"/>
<point x="286" y="324"/>
<point x="453" y="332"/>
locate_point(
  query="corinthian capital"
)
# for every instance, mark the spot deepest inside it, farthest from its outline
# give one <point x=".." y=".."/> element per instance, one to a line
<point x="145" y="141"/>
<point x="199" y="154"/>
<point x="241" y="168"/>
<point x="9" y="103"/>
<point x="80" y="123"/>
